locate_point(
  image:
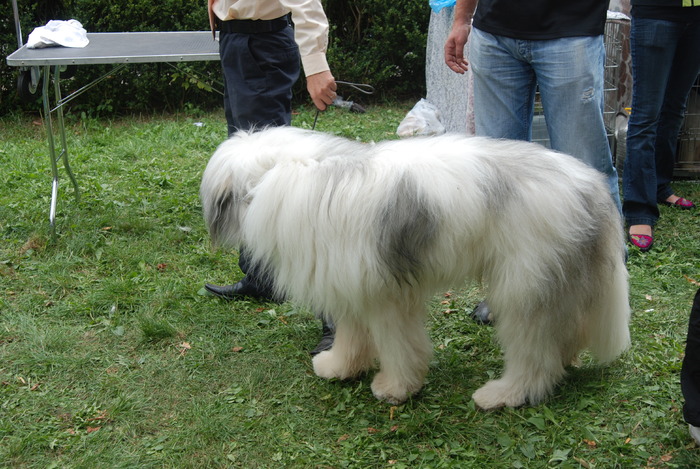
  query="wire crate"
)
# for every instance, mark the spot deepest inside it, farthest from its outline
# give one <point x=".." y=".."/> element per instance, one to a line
<point x="688" y="156"/>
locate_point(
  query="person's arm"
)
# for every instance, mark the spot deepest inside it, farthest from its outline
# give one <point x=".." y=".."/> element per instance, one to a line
<point x="311" y="34"/>
<point x="457" y="39"/>
<point x="212" y="17"/>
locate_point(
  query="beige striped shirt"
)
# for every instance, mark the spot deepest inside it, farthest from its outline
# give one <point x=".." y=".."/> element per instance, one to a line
<point x="310" y="24"/>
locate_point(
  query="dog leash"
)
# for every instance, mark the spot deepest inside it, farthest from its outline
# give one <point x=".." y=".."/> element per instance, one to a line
<point x="361" y="87"/>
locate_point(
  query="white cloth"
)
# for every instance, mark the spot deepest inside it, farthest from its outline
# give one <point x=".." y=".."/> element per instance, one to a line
<point x="616" y="15"/>
<point x="58" y="33"/>
<point x="452" y="93"/>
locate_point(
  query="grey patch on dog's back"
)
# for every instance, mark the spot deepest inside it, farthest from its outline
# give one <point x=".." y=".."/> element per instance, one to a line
<point x="498" y="186"/>
<point x="408" y="226"/>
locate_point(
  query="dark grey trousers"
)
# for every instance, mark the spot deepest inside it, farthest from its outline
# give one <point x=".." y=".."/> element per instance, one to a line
<point x="690" y="372"/>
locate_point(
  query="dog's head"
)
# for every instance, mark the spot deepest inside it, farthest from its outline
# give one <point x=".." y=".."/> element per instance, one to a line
<point x="231" y="173"/>
<point x="237" y="168"/>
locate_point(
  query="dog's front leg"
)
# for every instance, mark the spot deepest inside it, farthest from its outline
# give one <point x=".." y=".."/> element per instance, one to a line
<point x="404" y="353"/>
<point x="352" y="353"/>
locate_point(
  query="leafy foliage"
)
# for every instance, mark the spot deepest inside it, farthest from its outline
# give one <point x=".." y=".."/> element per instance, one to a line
<point x="379" y="43"/>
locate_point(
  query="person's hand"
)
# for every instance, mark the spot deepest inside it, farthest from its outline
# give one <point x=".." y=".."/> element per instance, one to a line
<point x="454" y="48"/>
<point x="322" y="89"/>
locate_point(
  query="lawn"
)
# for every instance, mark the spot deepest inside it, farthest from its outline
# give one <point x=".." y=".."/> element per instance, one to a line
<point x="113" y="356"/>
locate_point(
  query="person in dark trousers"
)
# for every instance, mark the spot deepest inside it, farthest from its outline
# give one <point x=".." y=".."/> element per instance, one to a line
<point x="260" y="57"/>
<point x="665" y="47"/>
<point x="690" y="372"/>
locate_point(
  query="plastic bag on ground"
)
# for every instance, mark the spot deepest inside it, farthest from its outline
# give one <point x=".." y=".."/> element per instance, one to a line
<point x="423" y="119"/>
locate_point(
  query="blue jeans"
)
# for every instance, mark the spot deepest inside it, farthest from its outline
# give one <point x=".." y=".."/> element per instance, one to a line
<point x="569" y="72"/>
<point x="665" y="64"/>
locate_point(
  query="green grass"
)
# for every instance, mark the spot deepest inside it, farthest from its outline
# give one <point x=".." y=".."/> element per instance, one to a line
<point x="112" y="356"/>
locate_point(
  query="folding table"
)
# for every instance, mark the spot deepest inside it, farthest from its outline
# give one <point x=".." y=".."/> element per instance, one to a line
<point x="120" y="49"/>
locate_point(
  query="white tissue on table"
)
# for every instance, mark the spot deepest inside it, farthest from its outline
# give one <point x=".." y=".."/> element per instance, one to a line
<point x="58" y="33"/>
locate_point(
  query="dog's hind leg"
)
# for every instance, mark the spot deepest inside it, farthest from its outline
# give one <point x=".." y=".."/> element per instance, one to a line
<point x="524" y="381"/>
<point x="351" y="354"/>
<point x="404" y="352"/>
<point x="535" y="354"/>
<point x="608" y="323"/>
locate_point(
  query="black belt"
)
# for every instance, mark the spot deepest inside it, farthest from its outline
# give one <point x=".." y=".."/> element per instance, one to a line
<point x="254" y="26"/>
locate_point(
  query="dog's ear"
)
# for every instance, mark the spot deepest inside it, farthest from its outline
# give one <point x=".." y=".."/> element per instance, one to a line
<point x="222" y="218"/>
<point x="219" y="219"/>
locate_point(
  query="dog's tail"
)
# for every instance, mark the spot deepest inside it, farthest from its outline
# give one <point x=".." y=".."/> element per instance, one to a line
<point x="608" y="326"/>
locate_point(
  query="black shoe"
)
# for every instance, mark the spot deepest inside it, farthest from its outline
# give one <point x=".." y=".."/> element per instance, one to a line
<point x="238" y="291"/>
<point x="482" y="313"/>
<point x="327" y="338"/>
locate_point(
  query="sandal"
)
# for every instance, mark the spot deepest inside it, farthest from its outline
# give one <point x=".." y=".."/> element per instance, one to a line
<point x="683" y="204"/>
<point x="642" y="241"/>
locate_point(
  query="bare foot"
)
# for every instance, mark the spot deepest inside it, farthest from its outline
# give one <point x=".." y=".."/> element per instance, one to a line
<point x="640" y="230"/>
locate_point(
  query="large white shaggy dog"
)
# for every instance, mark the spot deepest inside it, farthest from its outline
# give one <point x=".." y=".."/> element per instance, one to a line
<point x="366" y="233"/>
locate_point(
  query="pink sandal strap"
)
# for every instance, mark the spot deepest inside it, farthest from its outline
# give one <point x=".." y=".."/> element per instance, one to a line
<point x="683" y="202"/>
<point x="642" y="241"/>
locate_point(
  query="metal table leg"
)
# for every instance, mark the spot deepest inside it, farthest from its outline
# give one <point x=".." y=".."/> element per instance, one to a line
<point x="51" y="140"/>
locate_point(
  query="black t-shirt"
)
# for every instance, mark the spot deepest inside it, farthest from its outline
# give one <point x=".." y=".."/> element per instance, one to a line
<point x="541" y="19"/>
<point x="667" y="10"/>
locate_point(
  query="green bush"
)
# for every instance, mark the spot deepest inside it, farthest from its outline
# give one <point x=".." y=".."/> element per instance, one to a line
<point x="30" y="14"/>
<point x="373" y="42"/>
<point x="380" y="43"/>
<point x="137" y="88"/>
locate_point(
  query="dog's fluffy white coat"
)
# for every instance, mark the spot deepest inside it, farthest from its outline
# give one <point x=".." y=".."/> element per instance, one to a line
<point x="366" y="233"/>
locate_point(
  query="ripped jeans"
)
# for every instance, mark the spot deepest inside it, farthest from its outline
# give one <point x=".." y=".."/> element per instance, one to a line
<point x="569" y="72"/>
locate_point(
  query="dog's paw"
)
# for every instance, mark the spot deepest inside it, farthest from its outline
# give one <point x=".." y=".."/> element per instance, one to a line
<point x="326" y="365"/>
<point x="391" y="391"/>
<point x="499" y="393"/>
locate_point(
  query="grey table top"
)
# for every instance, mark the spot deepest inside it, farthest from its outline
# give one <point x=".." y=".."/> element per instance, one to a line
<point x="127" y="47"/>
